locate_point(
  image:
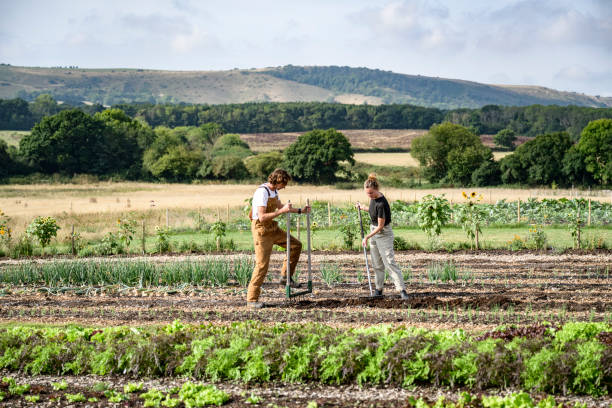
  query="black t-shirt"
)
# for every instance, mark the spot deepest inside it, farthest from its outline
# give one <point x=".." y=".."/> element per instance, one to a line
<point x="379" y="208"/>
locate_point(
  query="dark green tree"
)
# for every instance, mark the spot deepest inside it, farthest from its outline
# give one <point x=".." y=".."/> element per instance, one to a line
<point x="596" y="146"/>
<point x="73" y="142"/>
<point x="505" y="139"/>
<point x="44" y="105"/>
<point x="538" y="161"/>
<point x="488" y="174"/>
<point x="315" y="155"/>
<point x="7" y="167"/>
<point x="574" y="168"/>
<point x="133" y="136"/>
<point x="449" y="153"/>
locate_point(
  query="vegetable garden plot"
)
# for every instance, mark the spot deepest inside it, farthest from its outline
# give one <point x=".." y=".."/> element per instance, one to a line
<point x="480" y="292"/>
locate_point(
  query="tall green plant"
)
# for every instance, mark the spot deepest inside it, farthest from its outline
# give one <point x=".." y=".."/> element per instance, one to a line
<point x="433" y="213"/>
<point x="218" y="229"/>
<point x="44" y="229"/>
<point x="471" y="216"/>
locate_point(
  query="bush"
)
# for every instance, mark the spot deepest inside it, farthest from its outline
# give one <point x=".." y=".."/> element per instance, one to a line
<point x="488" y="174"/>
<point x="229" y="167"/>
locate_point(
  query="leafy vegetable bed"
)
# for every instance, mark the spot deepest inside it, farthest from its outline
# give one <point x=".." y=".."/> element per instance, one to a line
<point x="573" y="359"/>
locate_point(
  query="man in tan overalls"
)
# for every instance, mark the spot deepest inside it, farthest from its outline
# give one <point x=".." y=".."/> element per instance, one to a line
<point x="266" y="233"/>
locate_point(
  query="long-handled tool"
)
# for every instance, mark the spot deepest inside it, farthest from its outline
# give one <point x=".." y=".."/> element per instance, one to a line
<point x="288" y="293"/>
<point x="365" y="253"/>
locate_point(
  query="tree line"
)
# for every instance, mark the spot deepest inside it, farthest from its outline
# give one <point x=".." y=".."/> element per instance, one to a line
<point x="453" y="154"/>
<point x="17" y="114"/>
<point x="111" y="143"/>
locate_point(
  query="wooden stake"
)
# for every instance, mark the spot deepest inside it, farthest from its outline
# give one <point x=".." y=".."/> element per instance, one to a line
<point x="518" y="212"/>
<point x="72" y="238"/>
<point x="167" y="219"/>
<point x="228" y="213"/>
<point x="328" y="214"/>
<point x="143" y="237"/>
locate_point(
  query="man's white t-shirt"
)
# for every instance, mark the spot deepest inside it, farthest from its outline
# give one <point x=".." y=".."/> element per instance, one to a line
<point x="260" y="199"/>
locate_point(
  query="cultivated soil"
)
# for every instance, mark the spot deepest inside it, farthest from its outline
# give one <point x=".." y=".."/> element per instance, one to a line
<point x="493" y="288"/>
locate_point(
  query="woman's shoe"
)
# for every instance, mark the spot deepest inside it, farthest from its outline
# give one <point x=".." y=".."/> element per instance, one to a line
<point x="404" y="295"/>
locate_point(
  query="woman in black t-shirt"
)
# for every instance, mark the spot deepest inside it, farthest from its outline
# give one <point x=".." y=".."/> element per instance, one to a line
<point x="381" y="238"/>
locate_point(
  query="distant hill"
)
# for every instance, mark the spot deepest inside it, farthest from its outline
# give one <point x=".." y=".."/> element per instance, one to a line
<point x="282" y="84"/>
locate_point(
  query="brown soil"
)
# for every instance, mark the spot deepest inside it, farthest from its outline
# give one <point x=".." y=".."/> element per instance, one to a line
<point x="492" y="289"/>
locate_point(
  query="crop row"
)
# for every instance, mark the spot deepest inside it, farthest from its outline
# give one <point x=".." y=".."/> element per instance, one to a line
<point x="192" y="395"/>
<point x="208" y="272"/>
<point x="573" y="359"/>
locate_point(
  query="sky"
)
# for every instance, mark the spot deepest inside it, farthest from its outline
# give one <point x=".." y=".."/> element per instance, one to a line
<point x="560" y="44"/>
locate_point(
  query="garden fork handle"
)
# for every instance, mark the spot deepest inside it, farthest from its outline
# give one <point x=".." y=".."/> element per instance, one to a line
<point x="365" y="252"/>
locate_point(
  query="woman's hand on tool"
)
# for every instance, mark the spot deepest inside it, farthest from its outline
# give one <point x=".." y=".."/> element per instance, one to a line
<point x="365" y="242"/>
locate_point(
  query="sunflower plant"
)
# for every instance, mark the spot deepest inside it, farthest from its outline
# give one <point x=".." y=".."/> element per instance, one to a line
<point x="471" y="216"/>
<point x="44" y="229"/>
<point x="5" y="231"/>
<point x="433" y="213"/>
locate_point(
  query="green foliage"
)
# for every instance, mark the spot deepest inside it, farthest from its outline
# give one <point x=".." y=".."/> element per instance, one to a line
<point x="449" y="153"/>
<point x="470" y="216"/>
<point x="349" y="233"/>
<point x="505" y="139"/>
<point x="538" y="161"/>
<point x="569" y="360"/>
<point x="595" y="144"/>
<point x="199" y="395"/>
<point x="44" y="229"/>
<point x="263" y="164"/>
<point x="433" y="213"/>
<point x="536" y="239"/>
<point x="162" y="239"/>
<point x="331" y="274"/>
<point x="127" y="229"/>
<point x="229" y="166"/>
<point x="72" y="398"/>
<point x="488" y="174"/>
<point x="315" y="156"/>
<point x="231" y="145"/>
<point x="73" y="142"/>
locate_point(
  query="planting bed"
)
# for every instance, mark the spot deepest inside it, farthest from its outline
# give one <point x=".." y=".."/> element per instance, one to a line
<point x="522" y="289"/>
<point x="491" y="289"/>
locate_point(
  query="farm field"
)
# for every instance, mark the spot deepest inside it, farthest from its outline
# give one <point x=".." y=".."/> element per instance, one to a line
<point x="494" y="292"/>
<point x="12" y="137"/>
<point x="359" y="139"/>
<point x="401" y="159"/>
<point x="108" y="197"/>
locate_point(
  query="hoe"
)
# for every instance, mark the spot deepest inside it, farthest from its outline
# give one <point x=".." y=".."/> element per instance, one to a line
<point x="288" y="293"/>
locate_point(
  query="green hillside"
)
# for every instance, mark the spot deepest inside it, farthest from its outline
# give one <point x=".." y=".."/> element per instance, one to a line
<point x="282" y="84"/>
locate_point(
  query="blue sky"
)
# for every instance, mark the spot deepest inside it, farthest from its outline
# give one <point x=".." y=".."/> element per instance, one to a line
<point x="566" y="45"/>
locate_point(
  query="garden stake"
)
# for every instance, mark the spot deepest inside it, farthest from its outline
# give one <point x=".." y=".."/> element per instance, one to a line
<point x="365" y="253"/>
<point x="288" y="293"/>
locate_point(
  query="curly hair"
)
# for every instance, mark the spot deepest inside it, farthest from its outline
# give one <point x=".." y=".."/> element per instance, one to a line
<point x="279" y="176"/>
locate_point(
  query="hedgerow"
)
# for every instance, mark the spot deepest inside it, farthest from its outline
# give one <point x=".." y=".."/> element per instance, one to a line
<point x="573" y="359"/>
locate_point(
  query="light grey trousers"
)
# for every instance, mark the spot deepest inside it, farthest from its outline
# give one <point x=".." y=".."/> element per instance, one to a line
<point x="383" y="257"/>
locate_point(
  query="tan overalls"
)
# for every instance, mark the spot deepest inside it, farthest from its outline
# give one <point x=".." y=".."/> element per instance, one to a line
<point x="265" y="236"/>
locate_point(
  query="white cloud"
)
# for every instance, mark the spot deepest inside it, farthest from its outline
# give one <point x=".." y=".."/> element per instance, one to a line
<point x="425" y="25"/>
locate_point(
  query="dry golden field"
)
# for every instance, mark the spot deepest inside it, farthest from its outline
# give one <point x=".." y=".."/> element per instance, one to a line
<point x="98" y="206"/>
<point x="400" y="159"/>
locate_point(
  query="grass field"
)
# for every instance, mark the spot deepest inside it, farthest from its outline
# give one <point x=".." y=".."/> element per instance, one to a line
<point x="12" y="137"/>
